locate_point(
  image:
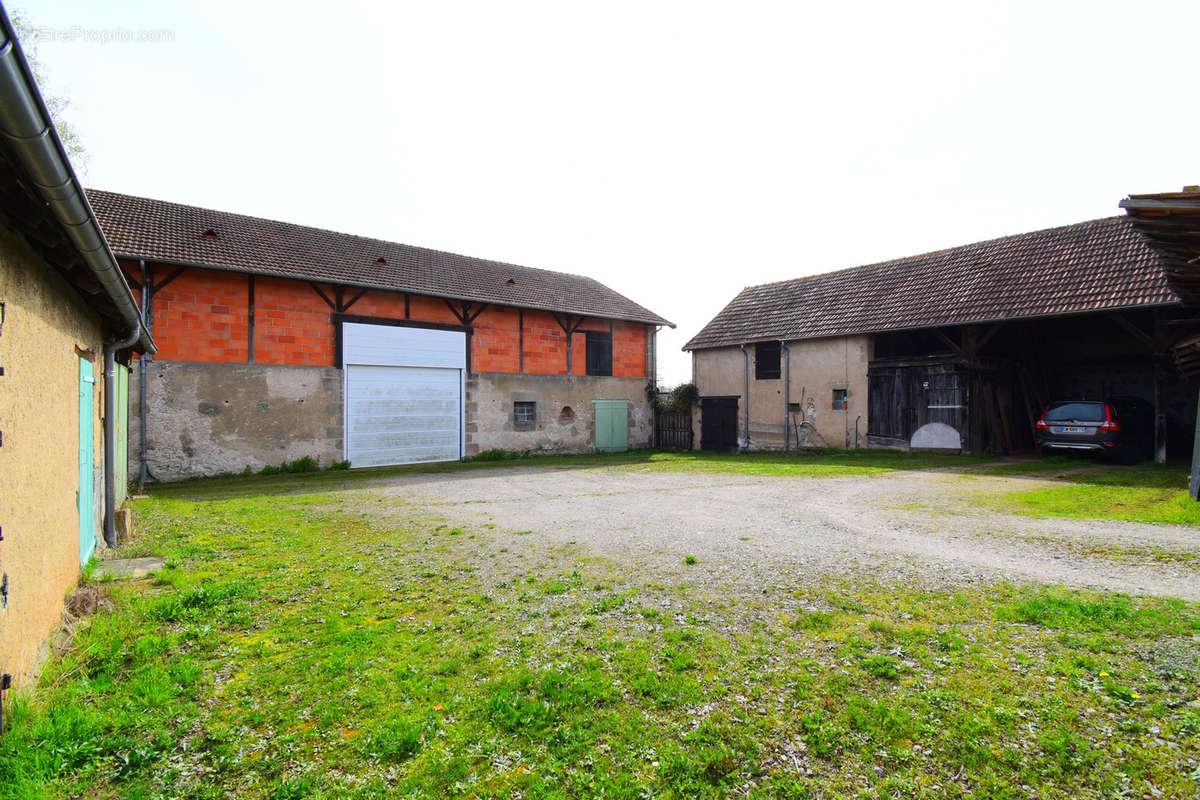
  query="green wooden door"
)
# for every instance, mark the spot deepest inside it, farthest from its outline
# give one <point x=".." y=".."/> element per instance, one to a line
<point x="612" y="425"/>
<point x="87" y="505"/>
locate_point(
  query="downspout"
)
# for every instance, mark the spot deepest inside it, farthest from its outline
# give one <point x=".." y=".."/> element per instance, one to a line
<point x="110" y="430"/>
<point x="787" y="395"/>
<point x="746" y="398"/>
<point x="143" y="438"/>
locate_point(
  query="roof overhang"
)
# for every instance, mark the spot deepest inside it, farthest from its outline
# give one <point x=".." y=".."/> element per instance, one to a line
<point x="1170" y="221"/>
<point x="47" y="183"/>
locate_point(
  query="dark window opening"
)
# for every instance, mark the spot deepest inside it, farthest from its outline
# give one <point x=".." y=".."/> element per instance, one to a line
<point x="599" y="352"/>
<point x="766" y="360"/>
<point x="524" y="411"/>
<point x="840" y="399"/>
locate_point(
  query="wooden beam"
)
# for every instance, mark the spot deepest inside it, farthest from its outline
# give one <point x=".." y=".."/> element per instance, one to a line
<point x="250" y="319"/>
<point x="475" y="315"/>
<point x="987" y="337"/>
<point x="1133" y="330"/>
<point x="954" y="348"/>
<point x="157" y="287"/>
<point x="323" y="296"/>
<point x="346" y="305"/>
<point x="460" y="313"/>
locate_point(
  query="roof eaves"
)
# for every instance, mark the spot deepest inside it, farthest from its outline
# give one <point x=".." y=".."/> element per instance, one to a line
<point x="836" y="334"/>
<point x="652" y="319"/>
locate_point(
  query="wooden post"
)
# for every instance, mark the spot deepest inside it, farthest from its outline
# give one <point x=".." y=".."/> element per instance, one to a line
<point x="1194" y="480"/>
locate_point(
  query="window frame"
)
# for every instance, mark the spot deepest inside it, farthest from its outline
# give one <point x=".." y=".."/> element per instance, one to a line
<point x="598" y="353"/>
<point x="521" y="406"/>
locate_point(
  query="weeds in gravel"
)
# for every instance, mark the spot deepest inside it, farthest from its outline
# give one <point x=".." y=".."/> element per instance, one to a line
<point x="295" y="649"/>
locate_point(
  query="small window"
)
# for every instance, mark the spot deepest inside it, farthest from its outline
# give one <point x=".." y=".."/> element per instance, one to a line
<point x="599" y="352"/>
<point x="766" y="360"/>
<point x="524" y="411"/>
<point x="840" y="400"/>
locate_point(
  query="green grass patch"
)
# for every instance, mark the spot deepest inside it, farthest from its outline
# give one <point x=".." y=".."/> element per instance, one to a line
<point x="1143" y="493"/>
<point x="297" y="647"/>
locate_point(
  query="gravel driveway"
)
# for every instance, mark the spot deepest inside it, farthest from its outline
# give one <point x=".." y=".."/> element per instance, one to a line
<point x="750" y="533"/>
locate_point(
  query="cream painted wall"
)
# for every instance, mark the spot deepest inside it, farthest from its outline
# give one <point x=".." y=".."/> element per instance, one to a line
<point x="818" y="366"/>
<point x="44" y="322"/>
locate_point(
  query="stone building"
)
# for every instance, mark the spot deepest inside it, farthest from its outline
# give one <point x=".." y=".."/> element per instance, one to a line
<point x="279" y="341"/>
<point x="955" y="349"/>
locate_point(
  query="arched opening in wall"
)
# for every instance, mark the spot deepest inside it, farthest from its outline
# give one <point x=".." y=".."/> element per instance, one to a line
<point x="567" y="414"/>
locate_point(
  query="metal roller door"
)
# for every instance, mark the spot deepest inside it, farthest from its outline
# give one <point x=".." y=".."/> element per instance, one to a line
<point x="403" y="394"/>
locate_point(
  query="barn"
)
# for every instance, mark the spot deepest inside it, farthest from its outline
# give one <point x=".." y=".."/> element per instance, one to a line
<point x="968" y="343"/>
<point x="279" y="342"/>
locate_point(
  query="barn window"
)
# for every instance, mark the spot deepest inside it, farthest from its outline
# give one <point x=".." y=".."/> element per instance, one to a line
<point x="599" y="352"/>
<point x="839" y="399"/>
<point x="766" y="360"/>
<point x="524" y="411"/>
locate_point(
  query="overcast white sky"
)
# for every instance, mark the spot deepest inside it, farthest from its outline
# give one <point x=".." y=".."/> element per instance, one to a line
<point x="676" y="151"/>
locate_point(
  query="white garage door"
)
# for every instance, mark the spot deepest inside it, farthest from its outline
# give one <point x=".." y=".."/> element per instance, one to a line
<point x="403" y="394"/>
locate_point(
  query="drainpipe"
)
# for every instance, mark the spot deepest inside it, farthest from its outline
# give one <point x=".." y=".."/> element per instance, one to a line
<point x="787" y="396"/>
<point x="110" y="430"/>
<point x="746" y="397"/>
<point x="143" y="370"/>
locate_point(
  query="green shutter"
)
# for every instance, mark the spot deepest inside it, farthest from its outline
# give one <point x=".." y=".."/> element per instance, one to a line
<point x="612" y="425"/>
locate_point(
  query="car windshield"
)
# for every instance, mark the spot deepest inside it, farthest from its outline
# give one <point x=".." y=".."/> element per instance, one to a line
<point x="1071" y="412"/>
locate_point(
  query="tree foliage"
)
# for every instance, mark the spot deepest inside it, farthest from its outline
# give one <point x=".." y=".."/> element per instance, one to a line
<point x="57" y="104"/>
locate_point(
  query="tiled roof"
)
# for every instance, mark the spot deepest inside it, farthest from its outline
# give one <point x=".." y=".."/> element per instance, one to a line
<point x="1091" y="266"/>
<point x="139" y="227"/>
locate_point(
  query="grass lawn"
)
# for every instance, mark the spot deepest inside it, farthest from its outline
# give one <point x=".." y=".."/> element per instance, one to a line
<point x="303" y="644"/>
<point x="1143" y="493"/>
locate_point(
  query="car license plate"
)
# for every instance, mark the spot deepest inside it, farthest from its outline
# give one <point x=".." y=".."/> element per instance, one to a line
<point x="1073" y="429"/>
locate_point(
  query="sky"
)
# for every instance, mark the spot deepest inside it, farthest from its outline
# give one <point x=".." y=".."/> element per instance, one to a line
<point x="675" y="151"/>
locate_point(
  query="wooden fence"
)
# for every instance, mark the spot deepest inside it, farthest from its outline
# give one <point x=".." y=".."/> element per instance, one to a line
<point x="673" y="431"/>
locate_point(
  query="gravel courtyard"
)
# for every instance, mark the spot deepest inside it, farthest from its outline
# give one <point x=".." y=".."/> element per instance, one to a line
<point x="749" y="532"/>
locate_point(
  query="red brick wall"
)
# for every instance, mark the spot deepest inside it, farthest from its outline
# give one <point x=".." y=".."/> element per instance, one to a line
<point x="545" y="344"/>
<point x="202" y="315"/>
<point x="496" y="341"/>
<point x="629" y="349"/>
<point x="291" y="324"/>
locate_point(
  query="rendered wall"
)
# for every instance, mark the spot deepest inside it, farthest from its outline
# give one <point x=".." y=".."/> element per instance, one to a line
<point x="209" y="418"/>
<point x="818" y="366"/>
<point x="44" y="321"/>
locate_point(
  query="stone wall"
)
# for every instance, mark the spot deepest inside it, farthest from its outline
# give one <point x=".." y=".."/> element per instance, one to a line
<point x="45" y="328"/>
<point x="206" y="418"/>
<point x="564" y="413"/>
<point x="209" y="418"/>
<point x="818" y="367"/>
